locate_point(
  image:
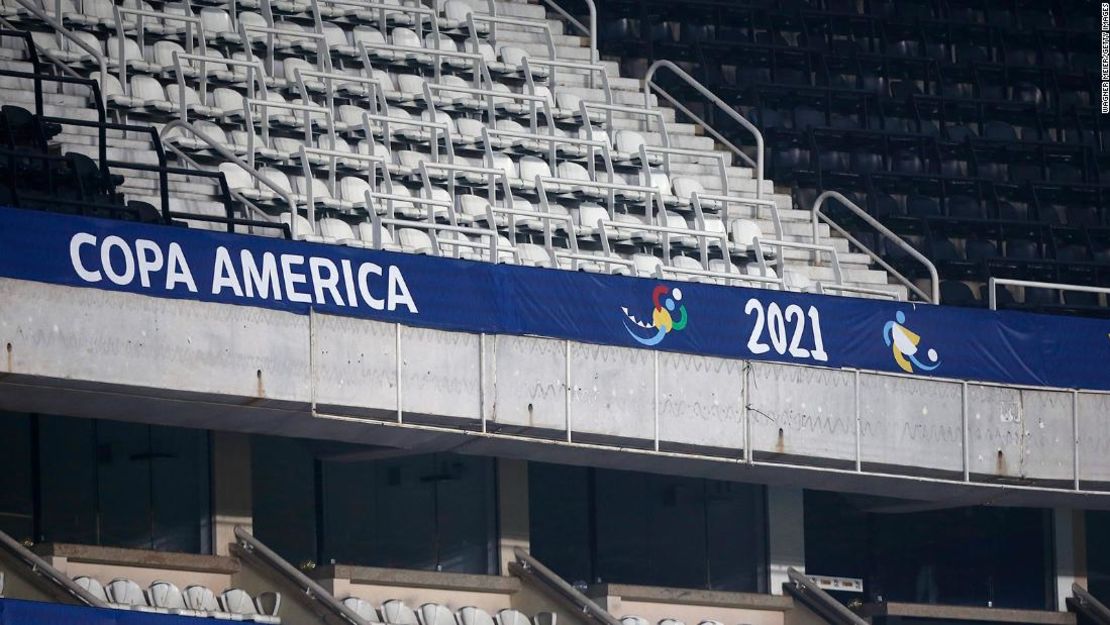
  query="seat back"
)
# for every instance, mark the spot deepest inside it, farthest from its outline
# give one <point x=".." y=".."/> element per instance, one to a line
<point x="471" y="615"/>
<point x="364" y="609"/>
<point x="436" y="614"/>
<point x="125" y="592"/>
<point x="238" y="601"/>
<point x="394" y="611"/>
<point x="93" y="586"/>
<point x="201" y="598"/>
<point x="166" y="595"/>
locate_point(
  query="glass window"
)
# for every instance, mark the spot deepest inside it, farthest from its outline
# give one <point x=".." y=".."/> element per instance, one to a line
<point x="123" y="484"/>
<point x="16" y="499"/>
<point x="326" y="502"/>
<point x="647" y="529"/>
<point x="960" y="556"/>
<point x="1098" y="554"/>
<point x="435" y="512"/>
<point x="283" y="496"/>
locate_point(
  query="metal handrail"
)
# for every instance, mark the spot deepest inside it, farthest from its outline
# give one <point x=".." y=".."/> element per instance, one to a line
<point x="59" y="28"/>
<point x="554" y="141"/>
<point x="667" y="152"/>
<point x="776" y="221"/>
<point x="861" y="290"/>
<point x="721" y="104"/>
<point x="491" y="98"/>
<point x="433" y="228"/>
<point x="231" y="157"/>
<point x="822" y="602"/>
<point x="590" y="68"/>
<point x="1079" y="288"/>
<point x="1085" y="602"/>
<point x="43" y="568"/>
<point x="255" y="76"/>
<point x="818" y="216"/>
<point x="590" y="31"/>
<point x="546" y="216"/>
<point x="252" y="545"/>
<point x="118" y="12"/>
<point x="661" y="271"/>
<point x="779" y="244"/>
<point x="647" y="113"/>
<point x="703" y="237"/>
<point x="528" y="566"/>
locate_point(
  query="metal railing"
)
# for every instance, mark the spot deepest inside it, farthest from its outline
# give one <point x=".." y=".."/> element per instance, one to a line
<point x="933" y="297"/>
<point x="590" y="31"/>
<point x="529" y="568"/>
<point x="227" y="155"/>
<point x="779" y="245"/>
<point x="43" y="569"/>
<point x="649" y="86"/>
<point x="59" y="28"/>
<point x="252" y="546"/>
<point x="193" y="25"/>
<point x="994" y="283"/>
<point x="806" y="590"/>
<point x="1086" y="604"/>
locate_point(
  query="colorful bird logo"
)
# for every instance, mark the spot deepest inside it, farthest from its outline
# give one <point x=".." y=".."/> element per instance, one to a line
<point x="904" y="343"/>
<point x="666" y="300"/>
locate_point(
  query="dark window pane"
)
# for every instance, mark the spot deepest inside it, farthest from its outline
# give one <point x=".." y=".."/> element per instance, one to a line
<point x="1098" y="554"/>
<point x="283" y="497"/>
<point x="180" y="489"/>
<point x="435" y="512"/>
<point x="466" y="506"/>
<point x="559" y="518"/>
<point x="964" y="556"/>
<point x="67" y="480"/>
<point x="16" y="501"/>
<point x="648" y="529"/>
<point x="123" y="484"/>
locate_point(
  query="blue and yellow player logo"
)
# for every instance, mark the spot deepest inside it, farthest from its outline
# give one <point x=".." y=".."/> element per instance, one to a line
<point x="904" y="344"/>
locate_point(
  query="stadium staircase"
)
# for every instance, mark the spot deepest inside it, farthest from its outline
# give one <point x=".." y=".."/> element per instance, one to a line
<point x="756" y="231"/>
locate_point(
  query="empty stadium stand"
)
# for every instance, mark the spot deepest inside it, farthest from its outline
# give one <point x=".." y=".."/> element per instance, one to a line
<point x="479" y="132"/>
<point x="969" y="128"/>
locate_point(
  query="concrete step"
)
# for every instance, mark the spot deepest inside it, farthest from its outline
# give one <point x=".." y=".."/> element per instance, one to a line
<point x="523" y="36"/>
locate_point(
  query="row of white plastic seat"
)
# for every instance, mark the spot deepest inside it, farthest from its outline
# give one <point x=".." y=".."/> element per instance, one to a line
<point x="429" y="239"/>
<point x="196" y="600"/>
<point x="348" y="192"/>
<point x="100" y="14"/>
<point x="395" y="612"/>
<point x="639" y="620"/>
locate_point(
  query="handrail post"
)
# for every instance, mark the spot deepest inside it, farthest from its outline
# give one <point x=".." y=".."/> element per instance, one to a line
<point x="934" y="297"/>
<point x="43" y="568"/>
<point x="721" y="104"/>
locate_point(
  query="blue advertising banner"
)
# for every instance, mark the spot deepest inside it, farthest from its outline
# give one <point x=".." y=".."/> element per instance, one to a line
<point x="19" y="612"/>
<point x="832" y="331"/>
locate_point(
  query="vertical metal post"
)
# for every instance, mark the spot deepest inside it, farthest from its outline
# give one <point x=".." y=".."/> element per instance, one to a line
<point x="745" y="387"/>
<point x="655" y="394"/>
<point x="566" y="384"/>
<point x="1075" y="437"/>
<point x="312" y="358"/>
<point x="966" y="437"/>
<point x="859" y="426"/>
<point x="482" y="379"/>
<point x="397" y="348"/>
